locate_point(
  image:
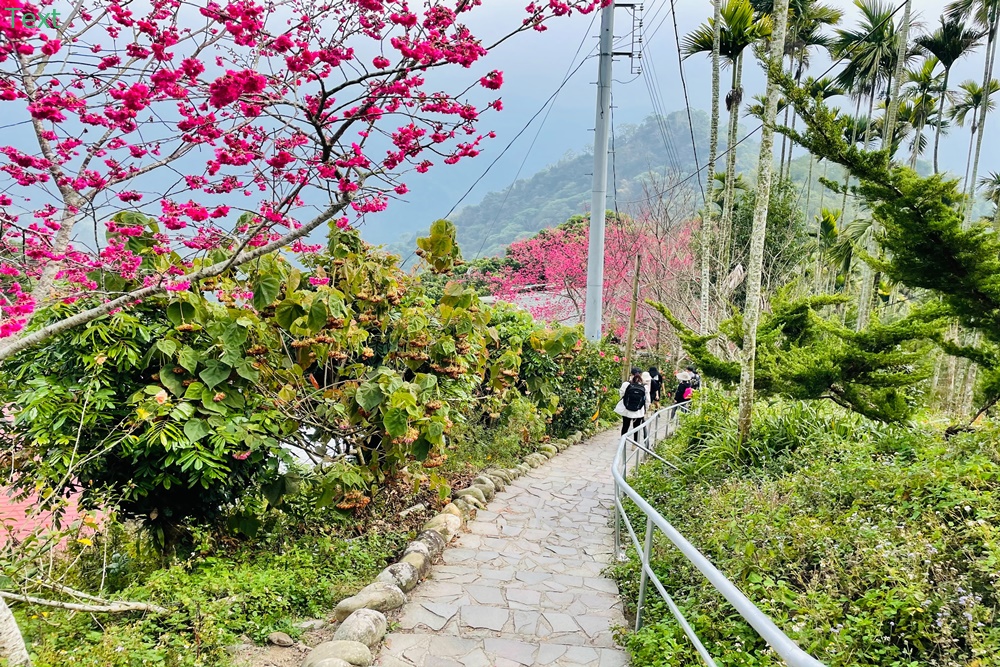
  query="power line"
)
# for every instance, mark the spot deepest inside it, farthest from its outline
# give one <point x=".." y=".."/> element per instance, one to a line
<point x="570" y="72"/>
<point x="829" y="69"/>
<point x="687" y="102"/>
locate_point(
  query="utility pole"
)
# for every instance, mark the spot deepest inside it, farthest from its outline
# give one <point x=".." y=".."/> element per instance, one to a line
<point x="595" y="248"/>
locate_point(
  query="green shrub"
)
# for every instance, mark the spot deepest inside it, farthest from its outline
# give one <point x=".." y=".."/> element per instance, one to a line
<point x="251" y="591"/>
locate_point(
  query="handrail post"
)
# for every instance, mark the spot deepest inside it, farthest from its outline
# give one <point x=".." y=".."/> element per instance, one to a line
<point x="618" y="516"/>
<point x="647" y="549"/>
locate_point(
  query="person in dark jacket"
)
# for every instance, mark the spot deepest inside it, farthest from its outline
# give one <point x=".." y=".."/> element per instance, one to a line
<point x="634" y="401"/>
<point x="655" y="385"/>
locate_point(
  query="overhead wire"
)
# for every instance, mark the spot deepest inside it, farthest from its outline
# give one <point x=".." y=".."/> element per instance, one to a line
<point x="548" y="104"/>
<point x="687" y="102"/>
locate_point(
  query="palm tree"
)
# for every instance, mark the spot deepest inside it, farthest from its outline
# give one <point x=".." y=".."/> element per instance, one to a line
<point x="948" y="43"/>
<point x="986" y="14"/>
<point x="713" y="148"/>
<point x="755" y="263"/>
<point x="921" y="104"/>
<point x="871" y="51"/>
<point x="992" y="185"/>
<point x="740" y="28"/>
<point x="968" y="106"/>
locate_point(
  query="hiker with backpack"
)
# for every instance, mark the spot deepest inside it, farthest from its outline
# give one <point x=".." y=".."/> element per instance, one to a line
<point x="634" y="401"/>
<point x="695" y="378"/>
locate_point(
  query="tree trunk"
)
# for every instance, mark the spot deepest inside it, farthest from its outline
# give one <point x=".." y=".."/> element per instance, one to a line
<point x="756" y="261"/>
<point x="11" y="643"/>
<point x="713" y="149"/>
<point x="788" y="108"/>
<point x="968" y="159"/>
<point x="991" y="48"/>
<point x="940" y="118"/>
<point x="727" y="202"/>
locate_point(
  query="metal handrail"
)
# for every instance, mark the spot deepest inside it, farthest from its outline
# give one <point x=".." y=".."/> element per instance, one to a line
<point x="643" y="438"/>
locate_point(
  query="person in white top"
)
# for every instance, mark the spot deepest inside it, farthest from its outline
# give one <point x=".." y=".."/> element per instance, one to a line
<point x="634" y="395"/>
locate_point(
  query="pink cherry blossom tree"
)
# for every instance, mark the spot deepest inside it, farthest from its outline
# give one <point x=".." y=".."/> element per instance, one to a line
<point x="241" y="126"/>
<point x="554" y="262"/>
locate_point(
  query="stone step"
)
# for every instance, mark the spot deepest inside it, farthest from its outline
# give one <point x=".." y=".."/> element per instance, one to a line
<point x="427" y="650"/>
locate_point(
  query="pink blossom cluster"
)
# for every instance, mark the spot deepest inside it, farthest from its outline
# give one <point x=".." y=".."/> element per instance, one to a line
<point x="131" y="108"/>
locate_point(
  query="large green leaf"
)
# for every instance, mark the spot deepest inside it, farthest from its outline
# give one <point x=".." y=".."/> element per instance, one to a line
<point x="317" y="316"/>
<point x="172" y="381"/>
<point x="420" y="449"/>
<point x="234" y="336"/>
<point x="214" y="372"/>
<point x="246" y="371"/>
<point x="166" y="346"/>
<point x="196" y="429"/>
<point x="265" y="291"/>
<point x="287" y="312"/>
<point x="395" y="422"/>
<point x="368" y="396"/>
<point x="188" y="359"/>
<point x="435" y="432"/>
<point x="180" y="312"/>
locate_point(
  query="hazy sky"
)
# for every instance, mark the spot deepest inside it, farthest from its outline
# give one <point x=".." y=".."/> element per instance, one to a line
<point x="534" y="65"/>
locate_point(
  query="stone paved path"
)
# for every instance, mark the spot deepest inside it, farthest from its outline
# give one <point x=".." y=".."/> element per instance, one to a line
<point x="524" y="586"/>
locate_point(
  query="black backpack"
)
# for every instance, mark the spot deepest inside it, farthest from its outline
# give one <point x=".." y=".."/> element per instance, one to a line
<point x="635" y="397"/>
<point x="695" y="381"/>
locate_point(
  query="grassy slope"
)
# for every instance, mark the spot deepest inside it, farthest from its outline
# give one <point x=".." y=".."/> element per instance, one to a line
<point x="867" y="544"/>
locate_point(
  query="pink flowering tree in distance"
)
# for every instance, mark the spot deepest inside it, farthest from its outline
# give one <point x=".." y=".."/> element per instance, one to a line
<point x="552" y="267"/>
<point x="240" y="127"/>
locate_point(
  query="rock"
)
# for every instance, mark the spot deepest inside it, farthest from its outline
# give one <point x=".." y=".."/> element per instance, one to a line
<point x="488" y="491"/>
<point x="418" y="561"/>
<point x="366" y="626"/>
<point x="453" y="509"/>
<point x="311" y="624"/>
<point x="502" y="474"/>
<point x="485" y="481"/>
<point x="472" y="492"/>
<point x="445" y="525"/>
<point x="404" y="576"/>
<point x="548" y="450"/>
<point x="352" y="653"/>
<point x="280" y="639"/>
<point x="379" y="596"/>
<point x="535" y="460"/>
<point x="417" y="547"/>
<point x="499" y="482"/>
<point x="434" y="540"/>
<point x="468" y="510"/>
<point x="330" y="662"/>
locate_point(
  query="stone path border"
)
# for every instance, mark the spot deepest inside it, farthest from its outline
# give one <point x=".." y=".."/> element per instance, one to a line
<point x="362" y="620"/>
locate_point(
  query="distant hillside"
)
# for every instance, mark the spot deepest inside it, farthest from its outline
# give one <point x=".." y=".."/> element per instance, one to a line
<point x="641" y="157"/>
<point x="562" y="190"/>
